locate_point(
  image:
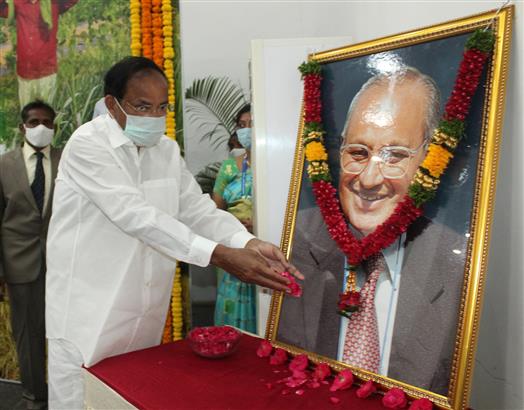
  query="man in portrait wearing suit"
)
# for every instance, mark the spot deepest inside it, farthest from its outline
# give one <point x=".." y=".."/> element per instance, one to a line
<point x="388" y="127"/>
<point x="26" y="189"/>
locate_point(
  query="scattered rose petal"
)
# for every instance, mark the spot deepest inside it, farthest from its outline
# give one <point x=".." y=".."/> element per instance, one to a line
<point x="299" y="392"/>
<point x="299" y="362"/>
<point x="295" y="382"/>
<point x="264" y="349"/>
<point x="324" y="382"/>
<point x="395" y="399"/>
<point x="299" y="374"/>
<point x="343" y="381"/>
<point x="313" y="385"/>
<point x="334" y="400"/>
<point x="285" y="392"/>
<point x="276" y="371"/>
<point x="279" y="357"/>
<point x="421" y="404"/>
<point x="269" y="385"/>
<point x="294" y="288"/>
<point x="366" y="389"/>
<point x="321" y="372"/>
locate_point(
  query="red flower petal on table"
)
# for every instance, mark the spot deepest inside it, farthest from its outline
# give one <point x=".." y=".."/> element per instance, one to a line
<point x="299" y="362"/>
<point x="285" y="392"/>
<point x="395" y="399"/>
<point x="264" y="349"/>
<point x="279" y="357"/>
<point x="366" y="390"/>
<point x="334" y="400"/>
<point x="321" y="372"/>
<point x="343" y="381"/>
<point x="299" y="374"/>
<point x="313" y="385"/>
<point x="299" y="392"/>
<point x="421" y="404"/>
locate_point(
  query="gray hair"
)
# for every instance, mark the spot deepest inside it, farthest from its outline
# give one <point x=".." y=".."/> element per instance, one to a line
<point x="406" y="73"/>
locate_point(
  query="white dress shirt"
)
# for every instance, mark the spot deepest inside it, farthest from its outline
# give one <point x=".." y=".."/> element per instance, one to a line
<point x="121" y="217"/>
<point x="30" y="165"/>
<point x="386" y="297"/>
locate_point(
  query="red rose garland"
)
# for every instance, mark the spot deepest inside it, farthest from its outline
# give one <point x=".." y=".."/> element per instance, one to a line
<point x="425" y="182"/>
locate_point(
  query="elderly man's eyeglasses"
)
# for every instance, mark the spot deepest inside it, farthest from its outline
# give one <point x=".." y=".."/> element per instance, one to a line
<point x="393" y="161"/>
<point x="146" y="109"/>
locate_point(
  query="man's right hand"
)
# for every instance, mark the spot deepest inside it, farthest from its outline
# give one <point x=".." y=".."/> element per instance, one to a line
<point x="248" y="266"/>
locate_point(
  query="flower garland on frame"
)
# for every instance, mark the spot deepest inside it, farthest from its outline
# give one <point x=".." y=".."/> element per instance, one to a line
<point x="427" y="177"/>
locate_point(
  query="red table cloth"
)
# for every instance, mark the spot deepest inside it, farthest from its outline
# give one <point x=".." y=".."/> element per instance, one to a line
<point x="171" y="376"/>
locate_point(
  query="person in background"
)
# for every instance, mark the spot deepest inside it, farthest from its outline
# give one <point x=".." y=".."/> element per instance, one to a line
<point x="126" y="208"/>
<point x="235" y="304"/>
<point x="36" y="29"/>
<point x="26" y="190"/>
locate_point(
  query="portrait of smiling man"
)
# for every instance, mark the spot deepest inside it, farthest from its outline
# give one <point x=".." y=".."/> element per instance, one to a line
<point x="388" y="126"/>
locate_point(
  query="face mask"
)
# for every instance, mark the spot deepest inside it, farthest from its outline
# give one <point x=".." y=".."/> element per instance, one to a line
<point x="39" y="136"/>
<point x="144" y="131"/>
<point x="237" y="152"/>
<point x="244" y="137"/>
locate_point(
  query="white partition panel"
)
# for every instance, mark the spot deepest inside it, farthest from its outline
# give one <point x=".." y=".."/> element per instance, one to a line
<point x="276" y="97"/>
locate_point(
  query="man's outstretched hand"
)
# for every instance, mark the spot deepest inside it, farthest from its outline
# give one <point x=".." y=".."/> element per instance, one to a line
<point x="259" y="262"/>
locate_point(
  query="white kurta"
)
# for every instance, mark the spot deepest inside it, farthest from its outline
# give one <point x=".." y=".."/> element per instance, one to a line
<point x="121" y="217"/>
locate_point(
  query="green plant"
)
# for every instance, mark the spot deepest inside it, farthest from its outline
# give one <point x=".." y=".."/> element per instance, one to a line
<point x="216" y="103"/>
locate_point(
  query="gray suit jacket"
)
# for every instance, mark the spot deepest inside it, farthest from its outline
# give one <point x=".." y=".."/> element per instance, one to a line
<point x="427" y="310"/>
<point x="23" y="230"/>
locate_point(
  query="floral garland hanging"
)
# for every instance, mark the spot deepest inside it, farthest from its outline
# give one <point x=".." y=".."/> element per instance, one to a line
<point x="169" y="67"/>
<point x="146" y="29"/>
<point x="158" y="34"/>
<point x="134" y="11"/>
<point x="152" y="37"/>
<point x="425" y="182"/>
<point x="176" y="305"/>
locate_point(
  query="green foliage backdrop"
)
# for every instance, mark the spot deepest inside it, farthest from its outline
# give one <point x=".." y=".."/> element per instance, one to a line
<point x="92" y="36"/>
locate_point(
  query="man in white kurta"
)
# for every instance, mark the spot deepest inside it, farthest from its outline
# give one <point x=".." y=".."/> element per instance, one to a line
<point x="123" y="213"/>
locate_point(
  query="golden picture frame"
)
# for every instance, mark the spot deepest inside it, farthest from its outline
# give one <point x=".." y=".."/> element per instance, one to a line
<point x="435" y="51"/>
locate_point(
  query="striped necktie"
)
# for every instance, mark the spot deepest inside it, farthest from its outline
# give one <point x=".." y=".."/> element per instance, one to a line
<point x="361" y="345"/>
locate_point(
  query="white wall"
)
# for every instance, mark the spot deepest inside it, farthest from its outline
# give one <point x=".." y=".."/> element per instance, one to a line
<point x="216" y="37"/>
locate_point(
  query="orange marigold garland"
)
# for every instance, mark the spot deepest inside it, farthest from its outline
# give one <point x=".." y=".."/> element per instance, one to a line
<point x="176" y="305"/>
<point x="134" y="11"/>
<point x="158" y="35"/>
<point x="169" y="67"/>
<point x="147" y="32"/>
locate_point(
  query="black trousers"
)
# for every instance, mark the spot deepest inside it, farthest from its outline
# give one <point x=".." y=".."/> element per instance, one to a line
<point x="28" y="323"/>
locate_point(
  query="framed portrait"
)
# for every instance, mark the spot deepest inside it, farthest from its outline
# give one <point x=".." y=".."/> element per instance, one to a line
<point x="419" y="298"/>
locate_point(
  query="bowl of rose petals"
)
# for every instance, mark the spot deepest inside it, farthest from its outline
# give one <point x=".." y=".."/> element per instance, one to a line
<point x="214" y="341"/>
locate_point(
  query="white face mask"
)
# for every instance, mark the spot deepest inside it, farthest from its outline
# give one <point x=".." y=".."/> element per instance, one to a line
<point x="39" y="136"/>
<point x="143" y="131"/>
<point x="237" y="152"/>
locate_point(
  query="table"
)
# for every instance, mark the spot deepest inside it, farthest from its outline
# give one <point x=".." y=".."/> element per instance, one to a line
<point x="171" y="376"/>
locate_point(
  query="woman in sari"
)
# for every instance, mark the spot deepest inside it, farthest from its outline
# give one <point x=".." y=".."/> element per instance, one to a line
<point x="235" y="303"/>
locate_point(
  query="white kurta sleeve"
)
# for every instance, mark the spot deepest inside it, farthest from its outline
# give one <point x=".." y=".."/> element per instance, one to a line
<point x="92" y="171"/>
<point x="200" y="212"/>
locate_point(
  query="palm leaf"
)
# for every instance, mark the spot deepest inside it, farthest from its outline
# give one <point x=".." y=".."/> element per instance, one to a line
<point x="207" y="176"/>
<point x="212" y="106"/>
